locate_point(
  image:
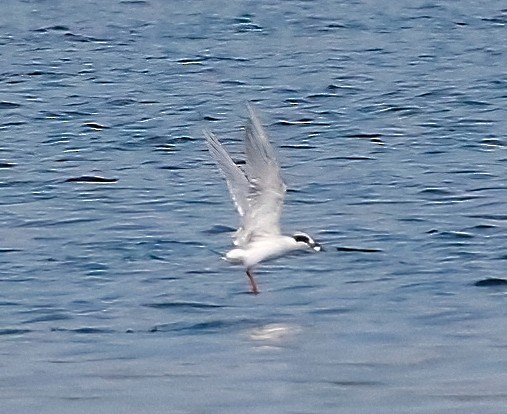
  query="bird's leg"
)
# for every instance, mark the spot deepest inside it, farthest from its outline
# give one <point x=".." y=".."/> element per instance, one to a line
<point x="251" y="279"/>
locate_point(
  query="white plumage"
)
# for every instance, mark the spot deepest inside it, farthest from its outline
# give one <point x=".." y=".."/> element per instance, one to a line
<point x="258" y="193"/>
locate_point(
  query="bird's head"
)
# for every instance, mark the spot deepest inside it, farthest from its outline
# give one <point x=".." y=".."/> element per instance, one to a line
<point x="305" y="240"/>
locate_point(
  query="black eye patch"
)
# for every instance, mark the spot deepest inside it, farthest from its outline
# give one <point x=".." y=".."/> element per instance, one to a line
<point x="301" y="238"/>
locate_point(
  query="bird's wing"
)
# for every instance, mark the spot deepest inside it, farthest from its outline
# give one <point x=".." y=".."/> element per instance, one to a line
<point x="267" y="189"/>
<point x="236" y="180"/>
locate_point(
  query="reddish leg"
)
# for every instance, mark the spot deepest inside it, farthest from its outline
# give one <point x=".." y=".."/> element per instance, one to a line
<point x="253" y="285"/>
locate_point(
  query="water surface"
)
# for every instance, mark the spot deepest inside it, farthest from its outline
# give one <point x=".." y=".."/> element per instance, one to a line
<point x="390" y="123"/>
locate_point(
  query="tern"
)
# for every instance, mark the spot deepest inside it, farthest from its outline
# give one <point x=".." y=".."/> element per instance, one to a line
<point x="258" y="194"/>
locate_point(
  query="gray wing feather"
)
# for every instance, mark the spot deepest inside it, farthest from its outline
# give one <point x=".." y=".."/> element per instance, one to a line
<point x="267" y="189"/>
<point x="236" y="180"/>
<point x="259" y="194"/>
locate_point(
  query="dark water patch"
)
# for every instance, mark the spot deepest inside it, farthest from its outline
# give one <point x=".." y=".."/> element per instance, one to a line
<point x="375" y="138"/>
<point x="333" y="87"/>
<point x="364" y="135"/>
<point x="6" y="303"/>
<point x="422" y="285"/>
<point x="121" y="102"/>
<point x="244" y="23"/>
<point x="311" y="201"/>
<point x="16" y="279"/>
<point x="48" y="317"/>
<point x="56" y="221"/>
<point x="40" y="73"/>
<point x="182" y="138"/>
<point x="295" y="288"/>
<point x="175" y="167"/>
<point x="476" y="103"/>
<point x="434" y="151"/>
<point x="451" y="234"/>
<point x="80" y="397"/>
<point x="218" y="229"/>
<point x="183" y="305"/>
<point x="166" y="148"/>
<point x="91" y="180"/>
<point x="9" y="105"/>
<point x="159" y="258"/>
<point x="500" y="20"/>
<point x="488" y="188"/>
<point x="95" y="125"/>
<point x="211" y="118"/>
<point x="302" y="121"/>
<point x="493" y="142"/>
<point x="320" y="95"/>
<point x="169" y="243"/>
<point x="399" y="110"/>
<point x="298" y="146"/>
<point x="491" y="282"/>
<point x="85" y="330"/>
<point x="436" y="191"/>
<point x="78" y="38"/>
<point x="379" y="201"/>
<point x="484" y="227"/>
<point x="202" y="272"/>
<point x="7" y="164"/>
<point x="358" y="249"/>
<point x="188" y="61"/>
<point x="12" y="124"/>
<point x="8" y="250"/>
<point x="55" y="28"/>
<point x="463" y="255"/>
<point x="134" y="2"/>
<point x="232" y="82"/>
<point x="294" y="101"/>
<point x="208" y="327"/>
<point x="156" y="280"/>
<point x="62" y="116"/>
<point x="331" y="311"/>
<point x="347" y="158"/>
<point x="355" y="384"/>
<point x="14" y="331"/>
<point x="466" y="171"/>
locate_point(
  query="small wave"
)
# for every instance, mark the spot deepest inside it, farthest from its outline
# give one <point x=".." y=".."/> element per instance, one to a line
<point x="358" y="249"/>
<point x="211" y="326"/>
<point x="13" y="331"/>
<point x="451" y="234"/>
<point x="9" y="105"/>
<point x="182" y="305"/>
<point x="84" y="330"/>
<point x="218" y="229"/>
<point x="91" y="179"/>
<point x="491" y="282"/>
<point x="95" y="125"/>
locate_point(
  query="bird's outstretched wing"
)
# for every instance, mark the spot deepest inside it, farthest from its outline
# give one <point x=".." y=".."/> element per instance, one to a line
<point x="267" y="189"/>
<point x="258" y="195"/>
<point x="236" y="180"/>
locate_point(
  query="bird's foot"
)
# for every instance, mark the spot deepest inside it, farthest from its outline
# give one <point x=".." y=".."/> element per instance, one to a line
<point x="253" y="284"/>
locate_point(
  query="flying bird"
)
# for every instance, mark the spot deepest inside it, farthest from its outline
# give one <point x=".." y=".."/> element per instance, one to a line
<point x="258" y="193"/>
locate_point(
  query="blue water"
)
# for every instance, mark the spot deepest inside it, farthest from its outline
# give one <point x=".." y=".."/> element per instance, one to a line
<point x="390" y="122"/>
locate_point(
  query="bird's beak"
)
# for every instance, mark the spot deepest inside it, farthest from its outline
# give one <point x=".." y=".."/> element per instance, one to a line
<point x="317" y="247"/>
